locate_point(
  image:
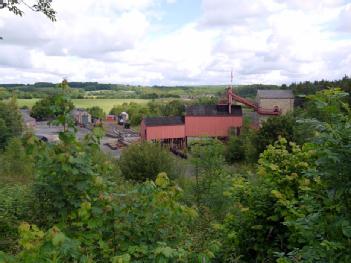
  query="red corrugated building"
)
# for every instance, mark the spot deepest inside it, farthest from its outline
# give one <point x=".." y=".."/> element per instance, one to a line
<point x="199" y="121"/>
<point x="212" y="120"/>
<point x="162" y="128"/>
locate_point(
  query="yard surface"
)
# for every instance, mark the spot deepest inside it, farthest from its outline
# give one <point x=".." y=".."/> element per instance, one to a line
<point x="105" y="104"/>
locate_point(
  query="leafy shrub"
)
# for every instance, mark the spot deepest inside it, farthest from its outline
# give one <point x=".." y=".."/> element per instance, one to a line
<point x="10" y="122"/>
<point x="16" y="163"/>
<point x="41" y="110"/>
<point x="273" y="128"/>
<point x="255" y="228"/>
<point x="323" y="227"/>
<point x="48" y="108"/>
<point x="147" y="224"/>
<point x="140" y="162"/>
<point x="15" y="207"/>
<point x="67" y="175"/>
<point x="97" y="112"/>
<point x="235" y="150"/>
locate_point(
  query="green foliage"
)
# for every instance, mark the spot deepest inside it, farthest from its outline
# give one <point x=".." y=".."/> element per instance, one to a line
<point x="272" y="128"/>
<point x="298" y="209"/>
<point x="243" y="147"/>
<point x="324" y="229"/>
<point x="97" y="112"/>
<point x="15" y="207"/>
<point x="16" y="163"/>
<point x="172" y="108"/>
<point x="96" y="219"/>
<point x="235" y="150"/>
<point x="42" y="109"/>
<point x="67" y="175"/>
<point x="40" y="247"/>
<point x="208" y="160"/>
<point x="55" y="106"/>
<point x="294" y="208"/>
<point x="4" y="94"/>
<point x="140" y="162"/>
<point x="152" y="226"/>
<point x="136" y="112"/>
<point x="10" y="122"/>
<point x="147" y="224"/>
<point x="254" y="230"/>
<point x="62" y="107"/>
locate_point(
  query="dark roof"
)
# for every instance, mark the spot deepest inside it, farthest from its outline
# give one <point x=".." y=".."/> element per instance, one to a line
<point x="213" y="110"/>
<point x="275" y="94"/>
<point x="163" y="121"/>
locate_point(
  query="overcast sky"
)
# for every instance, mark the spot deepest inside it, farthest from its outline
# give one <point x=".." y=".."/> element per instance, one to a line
<point x="177" y="42"/>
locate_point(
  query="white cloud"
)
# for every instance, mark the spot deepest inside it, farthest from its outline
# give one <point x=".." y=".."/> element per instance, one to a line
<point x="344" y="23"/>
<point x="118" y="41"/>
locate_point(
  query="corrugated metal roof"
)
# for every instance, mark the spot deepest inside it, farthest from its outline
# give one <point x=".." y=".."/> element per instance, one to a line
<point x="275" y="94"/>
<point x="213" y="110"/>
<point x="163" y="121"/>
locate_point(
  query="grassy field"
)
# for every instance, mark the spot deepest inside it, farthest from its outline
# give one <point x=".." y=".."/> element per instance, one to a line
<point x="105" y="104"/>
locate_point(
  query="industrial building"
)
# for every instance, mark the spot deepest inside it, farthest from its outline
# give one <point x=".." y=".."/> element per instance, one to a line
<point x="214" y="120"/>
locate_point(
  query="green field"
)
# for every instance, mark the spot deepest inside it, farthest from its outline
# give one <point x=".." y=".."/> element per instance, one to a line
<point x="105" y="104"/>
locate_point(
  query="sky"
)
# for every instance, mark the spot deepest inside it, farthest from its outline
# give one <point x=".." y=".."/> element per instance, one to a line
<point x="178" y="42"/>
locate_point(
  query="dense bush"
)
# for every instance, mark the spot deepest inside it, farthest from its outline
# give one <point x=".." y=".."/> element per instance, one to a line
<point x="323" y="226"/>
<point x="235" y="150"/>
<point x="273" y="128"/>
<point x="44" y="109"/>
<point x="207" y="156"/>
<point x="242" y="148"/>
<point x="11" y="123"/>
<point x="15" y="207"/>
<point x="140" y="162"/>
<point x="16" y="163"/>
<point x="41" y="110"/>
<point x="261" y="206"/>
<point x="298" y="209"/>
<point x="97" y="112"/>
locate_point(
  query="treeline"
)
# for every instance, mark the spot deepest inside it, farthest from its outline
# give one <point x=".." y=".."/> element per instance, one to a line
<point x="306" y="87"/>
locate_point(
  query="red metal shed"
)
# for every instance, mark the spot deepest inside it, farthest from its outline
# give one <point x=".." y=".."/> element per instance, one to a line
<point x="162" y="128"/>
<point x="199" y="121"/>
<point x="212" y="120"/>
